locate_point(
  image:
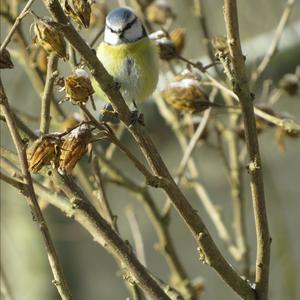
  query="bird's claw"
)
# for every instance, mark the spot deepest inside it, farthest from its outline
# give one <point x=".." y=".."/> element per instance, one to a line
<point x="136" y="117"/>
<point x="108" y="115"/>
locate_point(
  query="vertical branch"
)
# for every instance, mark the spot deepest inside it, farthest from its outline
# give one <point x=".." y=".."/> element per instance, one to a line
<point x="48" y="93"/>
<point x="241" y="88"/>
<point x="199" y="12"/>
<point x="105" y="208"/>
<point x="136" y="233"/>
<point x="59" y="279"/>
<point x="239" y="225"/>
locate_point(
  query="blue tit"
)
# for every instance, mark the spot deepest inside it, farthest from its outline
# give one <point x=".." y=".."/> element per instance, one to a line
<point x="129" y="56"/>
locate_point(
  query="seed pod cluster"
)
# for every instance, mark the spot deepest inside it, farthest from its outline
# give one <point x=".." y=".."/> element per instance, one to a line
<point x="78" y="86"/>
<point x="60" y="150"/>
<point x="48" y="37"/>
<point x="186" y="95"/>
<point x="79" y="11"/>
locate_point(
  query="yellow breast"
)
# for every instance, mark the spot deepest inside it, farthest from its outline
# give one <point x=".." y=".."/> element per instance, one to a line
<point x="133" y="65"/>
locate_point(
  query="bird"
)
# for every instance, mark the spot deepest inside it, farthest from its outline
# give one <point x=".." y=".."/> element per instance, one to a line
<point x="129" y="56"/>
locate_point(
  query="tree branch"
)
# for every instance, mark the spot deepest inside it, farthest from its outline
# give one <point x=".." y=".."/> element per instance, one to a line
<point x="241" y="88"/>
<point x="48" y="93"/>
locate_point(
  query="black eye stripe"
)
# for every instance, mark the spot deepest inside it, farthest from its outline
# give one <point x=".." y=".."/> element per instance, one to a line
<point x="128" y="26"/>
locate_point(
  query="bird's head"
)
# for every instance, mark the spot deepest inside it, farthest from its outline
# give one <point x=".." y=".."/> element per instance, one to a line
<point x="123" y="26"/>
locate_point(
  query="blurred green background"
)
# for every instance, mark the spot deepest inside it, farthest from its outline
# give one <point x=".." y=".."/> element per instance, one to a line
<point x="90" y="270"/>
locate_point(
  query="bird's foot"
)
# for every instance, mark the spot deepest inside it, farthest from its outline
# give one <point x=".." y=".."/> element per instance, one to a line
<point x="108" y="115"/>
<point x="136" y="117"/>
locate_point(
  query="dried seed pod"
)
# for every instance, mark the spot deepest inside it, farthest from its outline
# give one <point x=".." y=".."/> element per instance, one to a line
<point x="177" y="36"/>
<point x="220" y="44"/>
<point x="48" y="37"/>
<point x="78" y="86"/>
<point x="74" y="147"/>
<point x="290" y="84"/>
<point x="79" y="11"/>
<point x="98" y="15"/>
<point x="186" y="95"/>
<point x="167" y="49"/>
<point x="5" y="60"/>
<point x="159" y="13"/>
<point x="42" y="152"/>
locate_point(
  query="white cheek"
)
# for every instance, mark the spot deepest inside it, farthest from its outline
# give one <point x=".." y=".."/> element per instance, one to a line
<point x="111" y="38"/>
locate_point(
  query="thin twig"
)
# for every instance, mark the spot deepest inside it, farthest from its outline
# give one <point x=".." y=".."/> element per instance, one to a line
<point x="287" y="124"/>
<point x="98" y="35"/>
<point x="112" y="147"/>
<point x="241" y="88"/>
<point x="274" y="44"/>
<point x="57" y="271"/>
<point x="18" y="20"/>
<point x="13" y="182"/>
<point x="136" y="233"/>
<point x="200" y="13"/>
<point x="48" y="93"/>
<point x="105" y="207"/>
<point x="212" y="211"/>
<point x="238" y="200"/>
<point x="192" y="145"/>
